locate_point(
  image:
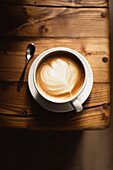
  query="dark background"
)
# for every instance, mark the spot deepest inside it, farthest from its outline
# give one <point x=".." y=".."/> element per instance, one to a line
<point x="85" y="150"/>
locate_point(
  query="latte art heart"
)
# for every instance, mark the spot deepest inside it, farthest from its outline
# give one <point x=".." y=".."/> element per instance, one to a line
<point x="59" y="78"/>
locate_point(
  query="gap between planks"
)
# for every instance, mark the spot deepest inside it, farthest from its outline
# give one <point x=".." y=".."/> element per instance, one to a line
<point x="87" y="119"/>
<point x="25" y="116"/>
<point x="22" y="38"/>
<point x="53" y="6"/>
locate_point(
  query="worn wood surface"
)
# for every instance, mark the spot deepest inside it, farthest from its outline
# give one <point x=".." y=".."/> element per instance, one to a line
<point x="13" y="56"/>
<point x="66" y="150"/>
<point x="68" y="3"/>
<point x="54" y="22"/>
<point x="25" y="104"/>
<point x="94" y="118"/>
<point x="85" y="30"/>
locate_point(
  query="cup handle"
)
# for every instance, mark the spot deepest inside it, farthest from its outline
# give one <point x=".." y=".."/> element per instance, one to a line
<point x="77" y="105"/>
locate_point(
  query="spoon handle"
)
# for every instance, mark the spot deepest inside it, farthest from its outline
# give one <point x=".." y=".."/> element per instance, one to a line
<point x="21" y="78"/>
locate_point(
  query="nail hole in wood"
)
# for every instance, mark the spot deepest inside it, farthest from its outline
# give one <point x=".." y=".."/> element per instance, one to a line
<point x="105" y="59"/>
<point x="105" y="105"/>
<point x="46" y="29"/>
<point x="103" y="14"/>
<point x="42" y="26"/>
<point x="24" y="112"/>
<point x="35" y="3"/>
<point x="104" y="117"/>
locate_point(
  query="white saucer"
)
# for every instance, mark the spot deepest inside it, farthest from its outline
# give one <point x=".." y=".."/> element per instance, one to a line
<point x="64" y="107"/>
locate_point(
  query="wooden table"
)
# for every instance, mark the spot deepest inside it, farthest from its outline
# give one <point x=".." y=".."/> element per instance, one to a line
<point x="82" y="25"/>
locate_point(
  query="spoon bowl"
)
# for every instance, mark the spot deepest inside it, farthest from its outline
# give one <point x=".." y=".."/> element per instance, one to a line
<point x="30" y="51"/>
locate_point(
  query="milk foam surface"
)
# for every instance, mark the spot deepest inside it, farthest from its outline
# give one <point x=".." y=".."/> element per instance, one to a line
<point x="59" y="78"/>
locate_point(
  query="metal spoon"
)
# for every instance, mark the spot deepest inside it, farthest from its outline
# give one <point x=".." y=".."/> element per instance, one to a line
<point x="29" y="54"/>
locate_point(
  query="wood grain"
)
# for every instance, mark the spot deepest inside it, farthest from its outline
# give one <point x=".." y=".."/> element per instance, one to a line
<point x="12" y="55"/>
<point x="53" y="22"/>
<point x="85" y="30"/>
<point x="94" y="118"/>
<point x="22" y="103"/>
<point x="72" y="3"/>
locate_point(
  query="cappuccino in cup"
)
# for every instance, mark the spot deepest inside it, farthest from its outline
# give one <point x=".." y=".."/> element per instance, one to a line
<point x="59" y="76"/>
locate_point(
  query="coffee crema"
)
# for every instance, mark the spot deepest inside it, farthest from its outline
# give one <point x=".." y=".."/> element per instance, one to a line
<point x="60" y="76"/>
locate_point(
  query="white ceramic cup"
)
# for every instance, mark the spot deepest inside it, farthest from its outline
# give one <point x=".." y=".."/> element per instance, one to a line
<point x="74" y="100"/>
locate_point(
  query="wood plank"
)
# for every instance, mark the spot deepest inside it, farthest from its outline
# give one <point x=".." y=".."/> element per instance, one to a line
<point x="68" y="3"/>
<point x="12" y="55"/>
<point x="22" y="103"/>
<point x="53" y="22"/>
<point x="94" y="118"/>
<point x="59" y="25"/>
